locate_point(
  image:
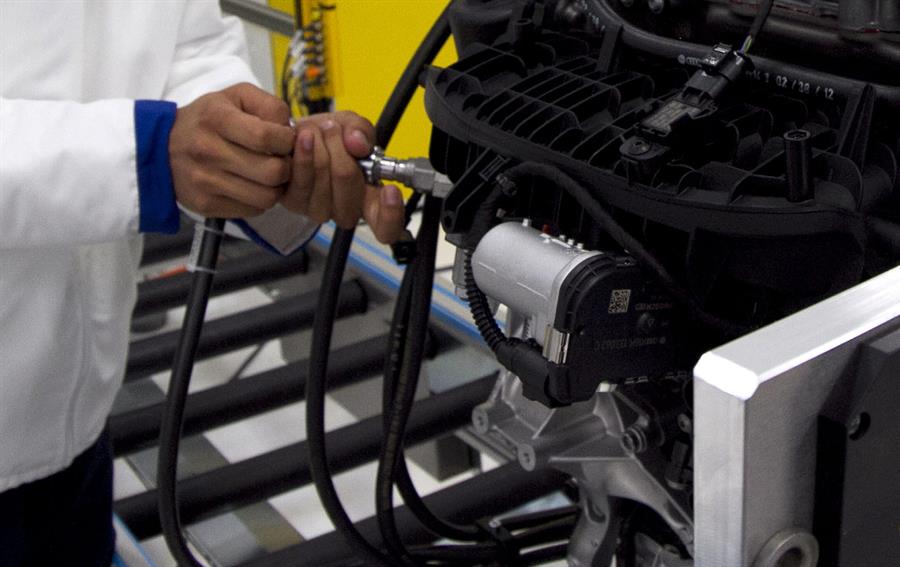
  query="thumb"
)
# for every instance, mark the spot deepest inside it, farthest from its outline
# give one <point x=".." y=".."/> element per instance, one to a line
<point x="385" y="213"/>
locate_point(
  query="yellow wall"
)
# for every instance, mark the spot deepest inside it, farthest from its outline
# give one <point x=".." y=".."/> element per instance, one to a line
<point x="371" y="41"/>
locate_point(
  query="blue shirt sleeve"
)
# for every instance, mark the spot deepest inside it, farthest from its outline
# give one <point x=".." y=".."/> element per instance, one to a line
<point x="153" y="120"/>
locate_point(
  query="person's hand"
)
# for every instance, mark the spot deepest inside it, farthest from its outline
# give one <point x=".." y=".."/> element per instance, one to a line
<point x="327" y="183"/>
<point x="230" y="152"/>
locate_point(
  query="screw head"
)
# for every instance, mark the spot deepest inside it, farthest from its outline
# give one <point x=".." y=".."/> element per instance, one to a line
<point x="656" y="6"/>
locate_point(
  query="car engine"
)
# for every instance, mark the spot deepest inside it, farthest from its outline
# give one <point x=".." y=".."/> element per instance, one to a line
<point x="638" y="181"/>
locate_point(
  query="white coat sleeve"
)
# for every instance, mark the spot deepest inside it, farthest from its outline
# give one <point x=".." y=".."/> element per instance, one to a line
<point x="67" y="172"/>
<point x="212" y="55"/>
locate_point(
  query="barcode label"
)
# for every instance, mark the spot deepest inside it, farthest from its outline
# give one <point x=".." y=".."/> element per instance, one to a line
<point x="619" y="300"/>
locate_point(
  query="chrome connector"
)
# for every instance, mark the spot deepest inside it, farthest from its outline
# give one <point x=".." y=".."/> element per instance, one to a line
<point x="415" y="173"/>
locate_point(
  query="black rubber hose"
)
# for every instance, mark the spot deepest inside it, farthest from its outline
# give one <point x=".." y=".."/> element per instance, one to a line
<point x="406" y="86"/>
<point x="419" y="311"/>
<point x="323" y="322"/>
<point x="392" y="364"/>
<point x="182" y="367"/>
<point x="323" y="325"/>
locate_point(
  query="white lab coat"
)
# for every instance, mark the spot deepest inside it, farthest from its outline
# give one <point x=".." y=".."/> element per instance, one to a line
<point x="69" y="208"/>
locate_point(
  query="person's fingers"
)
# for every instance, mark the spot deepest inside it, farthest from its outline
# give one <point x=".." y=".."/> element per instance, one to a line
<point x="319" y="208"/>
<point x="248" y="193"/>
<point x="217" y="183"/>
<point x="385" y="213"/>
<point x="272" y="171"/>
<point x="359" y="134"/>
<point x="226" y="208"/>
<point x="258" y="102"/>
<point x="252" y="132"/>
<point x="303" y="173"/>
<point x="264" y="169"/>
<point x="347" y="183"/>
<point x="210" y="205"/>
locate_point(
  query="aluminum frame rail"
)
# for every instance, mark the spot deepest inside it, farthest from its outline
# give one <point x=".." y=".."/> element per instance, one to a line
<point x="757" y="402"/>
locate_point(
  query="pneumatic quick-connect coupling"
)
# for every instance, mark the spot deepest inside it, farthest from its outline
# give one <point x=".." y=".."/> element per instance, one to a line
<point x="416" y="173"/>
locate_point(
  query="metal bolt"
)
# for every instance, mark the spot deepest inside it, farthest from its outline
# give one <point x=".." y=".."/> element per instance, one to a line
<point x="656" y="6"/>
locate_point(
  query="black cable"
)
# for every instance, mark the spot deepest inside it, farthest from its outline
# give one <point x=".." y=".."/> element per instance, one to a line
<point x="406" y="86"/>
<point x="397" y="338"/>
<point x="173" y="411"/>
<point x="323" y="324"/>
<point x="762" y="14"/>
<point x="298" y="14"/>
<point x="396" y="346"/>
<point x="401" y="402"/>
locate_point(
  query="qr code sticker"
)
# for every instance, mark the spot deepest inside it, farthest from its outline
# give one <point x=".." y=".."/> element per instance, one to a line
<point x="619" y="300"/>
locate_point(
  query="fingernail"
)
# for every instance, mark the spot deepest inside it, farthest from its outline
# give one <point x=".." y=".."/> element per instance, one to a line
<point x="328" y="125"/>
<point x="359" y="135"/>
<point x="392" y="196"/>
<point x="306" y="139"/>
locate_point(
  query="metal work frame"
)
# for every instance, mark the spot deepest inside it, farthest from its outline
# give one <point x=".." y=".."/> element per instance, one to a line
<point x="756" y="403"/>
